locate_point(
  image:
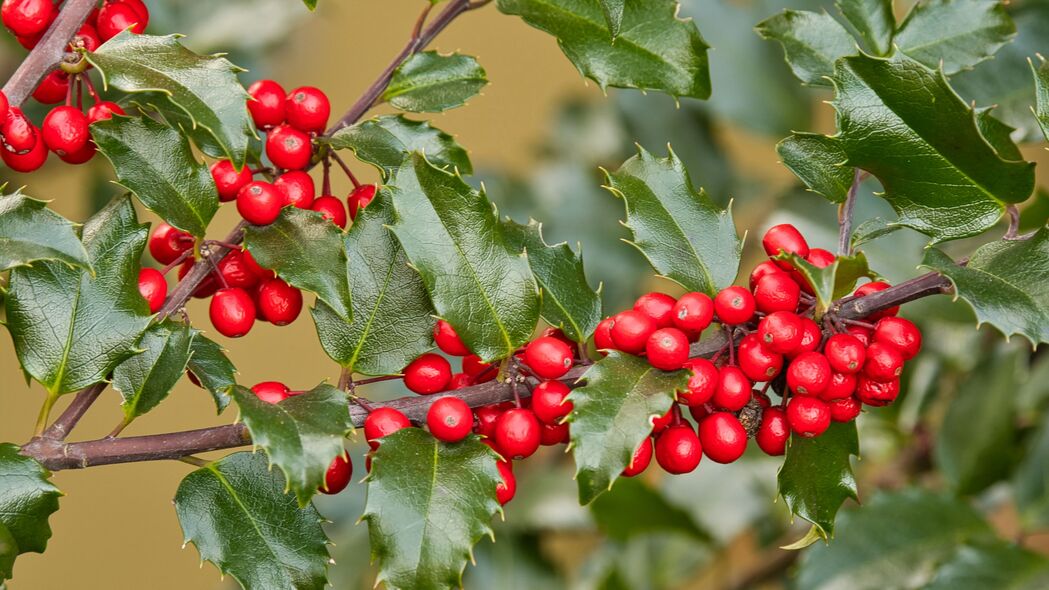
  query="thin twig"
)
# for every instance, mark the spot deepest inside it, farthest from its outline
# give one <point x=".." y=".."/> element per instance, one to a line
<point x="346" y="169"/>
<point x="845" y="215"/>
<point x="65" y="423"/>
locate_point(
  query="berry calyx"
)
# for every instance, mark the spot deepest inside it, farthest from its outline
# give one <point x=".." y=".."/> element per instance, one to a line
<point x="734" y="306"/>
<point x="781" y="331"/>
<point x="808" y="417"/>
<point x="548" y="357"/>
<point x="271" y="392"/>
<point x="845" y="353"/>
<point x="516" y="433"/>
<point x="307" y="109"/>
<point x="657" y="306"/>
<point x="258" y="202"/>
<point x="228" y="180"/>
<point x="641" y="459"/>
<point x="722" y="437"/>
<point x="449" y="419"/>
<point x="153" y="287"/>
<point x="548" y="402"/>
<point x="809" y="374"/>
<point x="630" y="331"/>
<point x="297" y="188"/>
<point x="382" y="422"/>
<point x="232" y="312"/>
<point x="338" y="475"/>
<point x="331" y="209"/>
<point x="288" y="148"/>
<point x="359" y="198"/>
<point x="784" y="238"/>
<point x="702" y="383"/>
<point x="678" y="449"/>
<point x="267" y="104"/>
<point x="428" y="374"/>
<point x="278" y="302"/>
<point x="773" y="433"/>
<point x="733" y="389"/>
<point x="667" y="349"/>
<point x="448" y="339"/>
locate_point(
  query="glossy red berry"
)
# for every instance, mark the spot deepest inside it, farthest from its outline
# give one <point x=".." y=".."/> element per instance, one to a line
<point x="784" y="238"/>
<point x="103" y="111"/>
<point x="255" y="267"/>
<point x="517" y="433"/>
<point x="28" y="161"/>
<point x="338" y="475"/>
<point x="383" y="422"/>
<point x="307" y="109"/>
<point x="258" y="202"/>
<point x="18" y="133"/>
<point x="65" y="130"/>
<point x="702" y="383"/>
<point x="733" y="389"/>
<point x="486" y="417"/>
<point x="864" y="335"/>
<point x="27" y="17"/>
<point x="428" y="374"/>
<point x="603" y="335"/>
<point x="678" y="449"/>
<point x="661" y="423"/>
<point x="228" y="180"/>
<point x="232" y="312"/>
<point x="845" y="409"/>
<point x="473" y="367"/>
<point x="4" y="105"/>
<point x="236" y="272"/>
<point x="359" y="198"/>
<point x="808" y="417"/>
<point x="630" y="331"/>
<point x="507" y="486"/>
<point x="297" y="188"/>
<point x="842" y="385"/>
<point x="667" y="349"/>
<point x="641" y="459"/>
<point x="140" y="9"/>
<point x="776" y="292"/>
<point x="884" y="362"/>
<point x="153" y="287"/>
<point x="448" y="340"/>
<point x="331" y="209"/>
<point x="781" y="331"/>
<point x="700" y="411"/>
<point x="548" y="402"/>
<point x="811" y="337"/>
<point x="288" y="148"/>
<point x="723" y="437"/>
<point x="845" y="353"/>
<point x="773" y="433"/>
<point x="693" y="312"/>
<point x="271" y="392"/>
<point x="734" y="305"/>
<point x="877" y="393"/>
<point x="874" y="287"/>
<point x="278" y="302"/>
<point x="758" y="363"/>
<point x="809" y="374"/>
<point x="115" y="17"/>
<point x="762" y="270"/>
<point x="267" y="106"/>
<point x="53" y="88"/>
<point x="459" y="381"/>
<point x="901" y="333"/>
<point x="548" y="357"/>
<point x="80" y="156"/>
<point x="553" y="434"/>
<point x="820" y="258"/>
<point x="449" y="419"/>
<point x="657" y="306"/>
<point x="167" y="243"/>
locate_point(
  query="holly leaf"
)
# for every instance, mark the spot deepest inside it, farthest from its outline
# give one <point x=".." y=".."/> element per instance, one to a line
<point x="145" y="379"/>
<point x="29" y="231"/>
<point x="1041" y="93"/>
<point x="654" y="50"/>
<point x="213" y="369"/>
<point x="307" y="251"/>
<point x="430" y="82"/>
<point x="613" y="413"/>
<point x="957" y="34"/>
<point x="873" y="20"/>
<point x="452" y="237"/>
<point x="819" y="162"/>
<point x="812" y="42"/>
<point x="301" y="435"/>
<point x="1005" y="282"/>
<point x="613" y="10"/>
<point x="992" y="565"/>
<point x="872" y="229"/>
<point x="681" y="232"/>
<point x="428" y="504"/>
<point x="27" y="499"/>
<point x="310" y="4"/>
<point x="392" y="314"/>
<point x="204" y="87"/>
<point x="633" y="508"/>
<point x="816" y="477"/>
<point x="8" y="553"/>
<point x="832" y="282"/>
<point x="940" y="173"/>
<point x="385" y="142"/>
<point x="568" y="301"/>
<point x="70" y="330"/>
<point x="157" y="163"/>
<point x="236" y="512"/>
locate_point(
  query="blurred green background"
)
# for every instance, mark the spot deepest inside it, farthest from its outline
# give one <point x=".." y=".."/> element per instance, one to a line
<point x="971" y="426"/>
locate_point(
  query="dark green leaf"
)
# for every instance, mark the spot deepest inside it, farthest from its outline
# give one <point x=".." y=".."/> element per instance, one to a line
<point x="633" y="508"/>
<point x="873" y="229"/>
<point x="157" y="163"/>
<point x="996" y="565"/>
<point x="682" y="233"/>
<point x="832" y="282"/>
<point x="819" y="162"/>
<point x="145" y="379"/>
<point x="653" y="51"/>
<point x="1041" y="94"/>
<point x="613" y="10"/>
<point x="8" y="553"/>
<point x="392" y="314"/>
<point x="453" y="238"/>
<point x="27" y="499"/>
<point x="29" y="231"/>
<point x="428" y="504"/>
<point x="213" y="369"/>
<point x="307" y="251"/>
<point x="816" y="477"/>
<point x="1031" y="479"/>
<point x="205" y="88"/>
<point x="873" y="20"/>
<point x="237" y="513"/>
<point x="385" y="143"/>
<point x="613" y="414"/>
<point x="568" y="301"/>
<point x="1006" y="283"/>
<point x="812" y="42"/>
<point x="431" y="82"/>
<point x="70" y="329"/>
<point x="955" y="33"/>
<point x="301" y="435"/>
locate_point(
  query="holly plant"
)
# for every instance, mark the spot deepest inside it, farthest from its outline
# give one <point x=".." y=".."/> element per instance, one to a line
<point x="501" y="336"/>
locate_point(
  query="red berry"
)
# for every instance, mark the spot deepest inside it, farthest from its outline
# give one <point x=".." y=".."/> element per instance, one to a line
<point x="667" y="349"/>
<point x="808" y="416"/>
<point x="548" y="357"/>
<point x="227" y="180"/>
<point x="279" y="302"/>
<point x="449" y="419"/>
<point x="701" y="411"/>
<point x="548" y="402"/>
<point x="733" y="389"/>
<point x="553" y="434"/>
<point x="884" y="362"/>
<point x="140" y="9"/>
<point x="258" y="202"/>
<point x="338" y="475"/>
<point x="428" y="374"/>
<point x="661" y="423"/>
<point x="288" y="148"/>
<point x="153" y="287"/>
<point x="236" y="272"/>
<point x="331" y="209"/>
<point x="809" y="374"/>
<point x="845" y="353"/>
<point x="773" y="433"/>
<point x="486" y="417"/>
<point x="756" y="360"/>
<point x="781" y="331"/>
<point x="901" y="333"/>
<point x="473" y="367"/>
<point x="864" y="335"/>
<point x="115" y="17"/>
<point x="734" y="305"/>
<point x="517" y="433"/>
<point x="874" y="287"/>
<point x="28" y="161"/>
<point x="820" y="258"/>
<point x="271" y="392"/>
<point x="678" y="449"/>
<point x="307" y="109"/>
<point x="784" y="238"/>
<point x="253" y="265"/>
<point x="845" y="409"/>
<point x="267" y="106"/>
<point x="603" y="335"/>
<point x="507" y="486"/>
<point x="53" y="88"/>
<point x="693" y="312"/>
<point x="762" y="270"/>
<point x="18" y="133"/>
<point x="103" y="111"/>
<point x="459" y="381"/>
<point x="383" y="422"/>
<point x="80" y="156"/>
<point x="4" y="105"/>
<point x="723" y="437"/>
<point x="701" y="384"/>
<point x="359" y="198"/>
<point x="842" y="385"/>
<point x="641" y="459"/>
<point x="448" y="340"/>
<point x="657" y="306"/>
<point x="232" y="312"/>
<point x="776" y="292"/>
<point x="877" y="393"/>
<point x="297" y="188"/>
<point x="27" y="17"/>
<point x="167" y="243"/>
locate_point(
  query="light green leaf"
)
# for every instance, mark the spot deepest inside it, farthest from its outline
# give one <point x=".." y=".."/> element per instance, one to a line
<point x="632" y="508"/>
<point x="431" y="82"/>
<point x="27" y="499"/>
<point x="1041" y="94"/>
<point x="29" y="231"/>
<point x="816" y="477"/>
<point x="310" y="4"/>
<point x="385" y="142"/>
<point x="812" y="42"/>
<point x="873" y="20"/>
<point x="819" y="162"/>
<point x="872" y="229"/>
<point x="955" y="33"/>
<point x="997" y="565"/>
<point x="145" y="379"/>
<point x="834" y="281"/>
<point x="613" y="10"/>
<point x="213" y="369"/>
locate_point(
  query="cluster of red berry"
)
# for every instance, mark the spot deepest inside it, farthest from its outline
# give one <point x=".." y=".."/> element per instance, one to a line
<point x="66" y="129"/>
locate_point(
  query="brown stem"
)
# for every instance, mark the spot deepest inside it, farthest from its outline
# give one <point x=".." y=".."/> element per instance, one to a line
<point x="855" y="308"/>
<point x="346" y="170"/>
<point x="72" y="414"/>
<point x="845" y="215"/>
<point x="196" y="275"/>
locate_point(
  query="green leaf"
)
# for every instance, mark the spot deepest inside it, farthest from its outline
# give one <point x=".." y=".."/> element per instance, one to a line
<point x="940" y="174"/>
<point x="301" y="435"/>
<point x="453" y="238"/>
<point x="430" y="82"/>
<point x="894" y="541"/>
<point x="310" y="4"/>
<point x="70" y="330"/>
<point x="204" y="87"/>
<point x="27" y="499"/>
<point x="8" y="553"/>
<point x="812" y="42"/>
<point x="157" y="163"/>
<point x="1006" y="283"/>
<point x="145" y="379"/>
<point x="29" y="231"/>
<point x="872" y="229"/>
<point x="653" y="51"/>
<point x="1031" y="479"/>
<point x="613" y="414"/>
<point x="632" y="508"/>
<point x="392" y="314"/>
<point x="385" y="142"/>
<point x="613" y="10"/>
<point x="428" y="504"/>
<point x="681" y="232"/>
<point x="1041" y="93"/>
<point x="818" y="161"/>
<point x="568" y="301"/>
<point x="816" y="477"/>
<point x="955" y="33"/>
<point x="213" y="369"/>
<point x="307" y="251"/>
<point x="832" y="282"/>
<point x="873" y="20"/>
<point x="992" y="565"/>
<point x="236" y="512"/>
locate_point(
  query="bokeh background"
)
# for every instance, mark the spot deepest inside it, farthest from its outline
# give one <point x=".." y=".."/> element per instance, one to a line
<point x="538" y="136"/>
